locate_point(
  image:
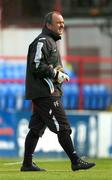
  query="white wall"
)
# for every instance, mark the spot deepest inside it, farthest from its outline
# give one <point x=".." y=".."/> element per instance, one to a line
<point x="86" y="33"/>
<point x="15" y="41"/>
<point x="90" y="37"/>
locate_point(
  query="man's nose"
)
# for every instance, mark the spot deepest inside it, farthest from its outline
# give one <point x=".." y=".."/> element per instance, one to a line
<point x="62" y="25"/>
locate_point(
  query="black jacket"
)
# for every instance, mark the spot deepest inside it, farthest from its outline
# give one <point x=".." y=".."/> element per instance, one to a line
<point x="39" y="75"/>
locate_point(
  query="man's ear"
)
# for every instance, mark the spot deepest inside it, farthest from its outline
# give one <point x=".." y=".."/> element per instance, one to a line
<point x="48" y="26"/>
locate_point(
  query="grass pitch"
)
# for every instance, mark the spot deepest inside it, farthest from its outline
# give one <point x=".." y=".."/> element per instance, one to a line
<point x="56" y="170"/>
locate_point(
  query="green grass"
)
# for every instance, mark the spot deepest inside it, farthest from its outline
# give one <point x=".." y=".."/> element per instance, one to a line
<point x="56" y="170"/>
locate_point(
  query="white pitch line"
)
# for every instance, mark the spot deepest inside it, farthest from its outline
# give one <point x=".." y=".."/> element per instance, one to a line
<point x="12" y="163"/>
<point x="40" y="160"/>
<point x="58" y="170"/>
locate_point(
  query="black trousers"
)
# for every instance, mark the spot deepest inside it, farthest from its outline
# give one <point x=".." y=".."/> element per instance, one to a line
<point x="49" y="112"/>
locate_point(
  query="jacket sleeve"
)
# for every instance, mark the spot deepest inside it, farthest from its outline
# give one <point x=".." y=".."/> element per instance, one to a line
<point x="38" y="63"/>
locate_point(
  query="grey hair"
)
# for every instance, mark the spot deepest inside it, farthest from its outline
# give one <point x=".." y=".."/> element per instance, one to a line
<point x="48" y="17"/>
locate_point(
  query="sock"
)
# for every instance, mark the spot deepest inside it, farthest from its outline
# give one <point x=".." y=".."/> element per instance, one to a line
<point x="66" y="143"/>
<point x="30" y="145"/>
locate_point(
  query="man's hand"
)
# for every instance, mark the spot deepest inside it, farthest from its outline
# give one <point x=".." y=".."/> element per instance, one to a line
<point x="59" y="68"/>
<point x="60" y="77"/>
<point x="60" y="74"/>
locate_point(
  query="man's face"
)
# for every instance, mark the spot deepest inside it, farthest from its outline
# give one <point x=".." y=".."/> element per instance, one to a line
<point x="57" y="25"/>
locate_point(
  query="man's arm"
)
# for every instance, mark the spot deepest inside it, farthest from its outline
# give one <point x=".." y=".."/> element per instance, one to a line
<point x="38" y="63"/>
<point x="42" y="69"/>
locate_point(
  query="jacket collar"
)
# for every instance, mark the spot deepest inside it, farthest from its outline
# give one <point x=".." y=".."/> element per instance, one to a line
<point x="50" y="33"/>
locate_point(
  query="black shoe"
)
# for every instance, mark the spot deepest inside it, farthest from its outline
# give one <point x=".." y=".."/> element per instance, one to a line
<point x="32" y="167"/>
<point x="80" y="164"/>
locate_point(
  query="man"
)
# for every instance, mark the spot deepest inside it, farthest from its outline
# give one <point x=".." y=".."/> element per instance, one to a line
<point x="44" y="78"/>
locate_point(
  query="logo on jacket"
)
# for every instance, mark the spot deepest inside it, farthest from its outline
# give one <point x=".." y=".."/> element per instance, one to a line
<point x="56" y="103"/>
<point x="54" y="50"/>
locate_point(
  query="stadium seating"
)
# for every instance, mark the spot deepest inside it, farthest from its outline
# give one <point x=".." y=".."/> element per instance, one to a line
<point x="104" y="97"/>
<point x="87" y="94"/>
<point x="74" y="96"/>
<point x="95" y="96"/>
<point x="12" y="94"/>
<point x="3" y="93"/>
<point x="65" y="97"/>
